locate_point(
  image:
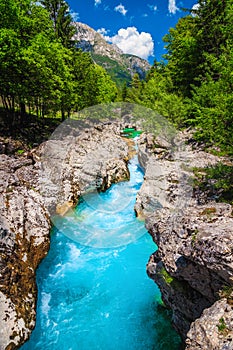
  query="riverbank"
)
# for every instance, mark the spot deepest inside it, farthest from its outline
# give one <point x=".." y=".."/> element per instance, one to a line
<point x="95" y="155"/>
<point x="193" y="265"/>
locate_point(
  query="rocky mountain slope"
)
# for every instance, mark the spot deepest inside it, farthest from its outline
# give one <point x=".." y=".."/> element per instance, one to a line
<point x="120" y="66"/>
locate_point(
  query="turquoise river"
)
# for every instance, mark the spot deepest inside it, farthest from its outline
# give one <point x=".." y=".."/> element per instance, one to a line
<point x="93" y="290"/>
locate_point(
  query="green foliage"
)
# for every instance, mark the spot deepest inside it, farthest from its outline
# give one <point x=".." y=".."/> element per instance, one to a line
<point x="167" y="277"/>
<point x="194" y="237"/>
<point x="106" y="88"/>
<point x="62" y="20"/>
<point x="20" y="151"/>
<point x="226" y="292"/>
<point x="222" y="325"/>
<point x="219" y="181"/>
<point x="212" y="107"/>
<point x="117" y="72"/>
<point x="195" y="85"/>
<point x="158" y="95"/>
<point x="39" y="70"/>
<point x="223" y="176"/>
<point x="183" y="55"/>
<point x="134" y="94"/>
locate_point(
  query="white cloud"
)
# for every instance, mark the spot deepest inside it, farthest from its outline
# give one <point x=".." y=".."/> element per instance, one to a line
<point x="121" y="9"/>
<point x="74" y="15"/>
<point x="130" y="41"/>
<point x="172" y="8"/>
<point x="195" y="8"/>
<point x="102" y="31"/>
<point x="97" y="2"/>
<point x="153" y="7"/>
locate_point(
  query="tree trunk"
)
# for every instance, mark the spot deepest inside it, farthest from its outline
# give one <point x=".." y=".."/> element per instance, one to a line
<point x="22" y="110"/>
<point x="62" y="115"/>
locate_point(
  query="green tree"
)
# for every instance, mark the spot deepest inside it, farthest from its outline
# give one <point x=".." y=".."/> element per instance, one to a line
<point x="62" y="20"/>
<point x="195" y="86"/>
<point x="38" y="72"/>
<point x="196" y="42"/>
<point x="49" y="81"/>
<point x="26" y="20"/>
<point x="106" y="88"/>
<point x="183" y="54"/>
<point x="134" y="93"/>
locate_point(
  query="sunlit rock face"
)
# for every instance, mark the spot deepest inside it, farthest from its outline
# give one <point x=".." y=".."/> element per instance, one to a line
<point x="194" y="260"/>
<point x="24" y="232"/>
<point x="72" y="165"/>
<point x="214" y="329"/>
<point x="91" y="41"/>
<point x="193" y="265"/>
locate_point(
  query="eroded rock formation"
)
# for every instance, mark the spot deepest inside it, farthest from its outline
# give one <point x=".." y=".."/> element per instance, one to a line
<point x="193" y="265"/>
<point x="24" y="230"/>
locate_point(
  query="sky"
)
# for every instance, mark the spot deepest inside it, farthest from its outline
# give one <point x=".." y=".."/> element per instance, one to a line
<point x="135" y="26"/>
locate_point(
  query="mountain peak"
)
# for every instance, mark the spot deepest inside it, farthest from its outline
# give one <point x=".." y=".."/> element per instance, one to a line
<point x="91" y="41"/>
<point x="119" y="65"/>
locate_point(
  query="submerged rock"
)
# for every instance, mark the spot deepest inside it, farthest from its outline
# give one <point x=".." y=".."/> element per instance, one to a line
<point x="50" y="178"/>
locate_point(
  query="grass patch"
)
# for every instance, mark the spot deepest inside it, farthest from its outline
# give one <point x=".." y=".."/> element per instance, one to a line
<point x="194" y="237"/>
<point x="208" y="211"/>
<point x="20" y="151"/>
<point x="226" y="291"/>
<point x="222" y="327"/>
<point x="166" y="276"/>
<point x="217" y="181"/>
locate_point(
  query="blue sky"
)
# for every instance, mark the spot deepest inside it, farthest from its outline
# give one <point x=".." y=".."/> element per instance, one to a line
<point x="137" y="27"/>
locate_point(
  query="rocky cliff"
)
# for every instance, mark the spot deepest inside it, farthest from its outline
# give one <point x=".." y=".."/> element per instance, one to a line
<point x="119" y="65"/>
<point x="24" y="230"/>
<point x="193" y="265"/>
<point x="47" y="180"/>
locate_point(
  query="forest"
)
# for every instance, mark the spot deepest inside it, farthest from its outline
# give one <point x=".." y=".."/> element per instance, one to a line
<point x="193" y="87"/>
<point x="41" y="71"/>
<point x="43" y="74"/>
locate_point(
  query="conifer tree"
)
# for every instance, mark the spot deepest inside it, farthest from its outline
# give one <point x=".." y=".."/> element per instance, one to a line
<point x="62" y="20"/>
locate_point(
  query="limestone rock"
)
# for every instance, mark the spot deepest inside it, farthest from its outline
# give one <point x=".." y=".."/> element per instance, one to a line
<point x="194" y="262"/>
<point x="74" y="165"/>
<point x="166" y="180"/>
<point x="194" y="259"/>
<point x="168" y="165"/>
<point x="24" y="233"/>
<point x="214" y="329"/>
